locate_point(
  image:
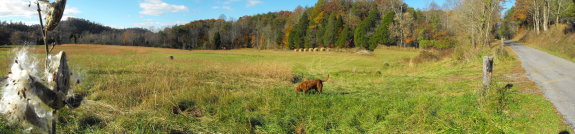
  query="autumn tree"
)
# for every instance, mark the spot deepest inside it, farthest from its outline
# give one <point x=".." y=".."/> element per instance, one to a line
<point x="403" y="28"/>
<point x="476" y="20"/>
<point x="17" y="38"/>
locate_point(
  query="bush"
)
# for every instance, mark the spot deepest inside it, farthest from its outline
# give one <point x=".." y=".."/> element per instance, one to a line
<point x="439" y="44"/>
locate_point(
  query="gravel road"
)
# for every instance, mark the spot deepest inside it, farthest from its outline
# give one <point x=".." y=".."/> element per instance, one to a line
<point x="554" y="75"/>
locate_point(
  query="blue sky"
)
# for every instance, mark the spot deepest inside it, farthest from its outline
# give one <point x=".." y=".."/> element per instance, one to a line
<point x="160" y="13"/>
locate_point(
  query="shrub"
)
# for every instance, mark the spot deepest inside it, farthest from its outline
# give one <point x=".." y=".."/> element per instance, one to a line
<point x="439" y="44"/>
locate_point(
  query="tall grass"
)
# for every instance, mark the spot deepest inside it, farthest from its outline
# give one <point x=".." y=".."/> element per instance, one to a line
<point x="139" y="90"/>
<point x="558" y="40"/>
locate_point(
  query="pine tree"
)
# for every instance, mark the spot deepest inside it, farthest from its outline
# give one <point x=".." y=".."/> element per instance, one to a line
<point x="382" y="35"/>
<point x="361" y="32"/>
<point x="339" y="24"/>
<point x="217" y="41"/>
<point x="344" y="38"/>
<point x="296" y="37"/>
<point x="330" y="31"/>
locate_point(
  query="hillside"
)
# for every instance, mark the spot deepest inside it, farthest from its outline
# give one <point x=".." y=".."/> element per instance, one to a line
<point x="559" y="40"/>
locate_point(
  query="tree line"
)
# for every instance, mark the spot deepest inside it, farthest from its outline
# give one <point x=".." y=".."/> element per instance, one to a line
<point x="78" y="31"/>
<point x="538" y="15"/>
<point x="363" y="24"/>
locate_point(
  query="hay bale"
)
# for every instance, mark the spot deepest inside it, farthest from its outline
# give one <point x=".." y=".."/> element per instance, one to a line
<point x="322" y="49"/>
<point x="315" y="49"/>
<point x="294" y="50"/>
<point x="364" y="52"/>
<point x="328" y="49"/>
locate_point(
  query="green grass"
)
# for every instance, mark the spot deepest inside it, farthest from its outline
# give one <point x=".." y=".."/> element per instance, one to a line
<point x="134" y="89"/>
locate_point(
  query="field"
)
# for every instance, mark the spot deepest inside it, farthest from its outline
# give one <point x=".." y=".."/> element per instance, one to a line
<point x="140" y="90"/>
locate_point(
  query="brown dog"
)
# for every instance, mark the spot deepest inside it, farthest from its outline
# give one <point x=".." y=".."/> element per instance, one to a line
<point x="306" y="86"/>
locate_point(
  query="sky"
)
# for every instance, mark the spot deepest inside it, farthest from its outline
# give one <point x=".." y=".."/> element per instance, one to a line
<point x="162" y="13"/>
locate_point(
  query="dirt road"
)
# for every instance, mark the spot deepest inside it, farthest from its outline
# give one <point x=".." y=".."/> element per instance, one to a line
<point x="554" y="75"/>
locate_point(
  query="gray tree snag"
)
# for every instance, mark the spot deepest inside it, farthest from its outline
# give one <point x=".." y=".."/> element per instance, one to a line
<point x="487" y="72"/>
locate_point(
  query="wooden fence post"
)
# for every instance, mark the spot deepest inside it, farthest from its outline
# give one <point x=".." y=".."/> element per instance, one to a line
<point x="487" y="71"/>
<point x="502" y="45"/>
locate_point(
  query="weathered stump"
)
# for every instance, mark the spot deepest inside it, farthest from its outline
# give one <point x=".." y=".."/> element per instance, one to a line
<point x="487" y="72"/>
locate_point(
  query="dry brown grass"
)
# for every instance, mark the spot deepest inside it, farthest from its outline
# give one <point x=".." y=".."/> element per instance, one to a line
<point x="557" y="41"/>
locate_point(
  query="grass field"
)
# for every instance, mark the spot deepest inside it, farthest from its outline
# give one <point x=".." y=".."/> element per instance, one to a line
<point x="139" y="90"/>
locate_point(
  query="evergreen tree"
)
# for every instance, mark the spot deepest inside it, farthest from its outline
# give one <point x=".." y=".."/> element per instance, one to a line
<point x="360" y="35"/>
<point x="382" y="35"/>
<point x="344" y="38"/>
<point x="339" y="24"/>
<point x="291" y="38"/>
<point x="217" y="41"/>
<point x="298" y="33"/>
<point x="279" y="38"/>
<point x="310" y="39"/>
<point x="330" y="31"/>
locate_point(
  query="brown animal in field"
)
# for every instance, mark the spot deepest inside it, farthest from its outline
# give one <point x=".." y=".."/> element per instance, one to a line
<point x="306" y="86"/>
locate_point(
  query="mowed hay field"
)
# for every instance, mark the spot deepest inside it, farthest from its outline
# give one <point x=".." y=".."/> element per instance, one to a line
<point x="140" y="90"/>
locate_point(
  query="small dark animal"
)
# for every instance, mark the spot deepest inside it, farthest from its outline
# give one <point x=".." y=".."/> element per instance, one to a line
<point x="306" y="86"/>
<point x="171" y="57"/>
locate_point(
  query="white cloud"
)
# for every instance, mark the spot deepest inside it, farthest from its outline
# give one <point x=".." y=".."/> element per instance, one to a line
<point x="20" y="8"/>
<point x="157" y="26"/>
<point x="223" y="7"/>
<point x="158" y="8"/>
<point x="252" y="3"/>
<point x="11" y="8"/>
<point x="72" y="10"/>
<point x="230" y="1"/>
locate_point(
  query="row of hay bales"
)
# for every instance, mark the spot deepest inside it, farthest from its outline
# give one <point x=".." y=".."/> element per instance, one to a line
<point x="312" y="50"/>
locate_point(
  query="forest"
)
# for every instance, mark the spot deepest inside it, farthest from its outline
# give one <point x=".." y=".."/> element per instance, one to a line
<point x="363" y="24"/>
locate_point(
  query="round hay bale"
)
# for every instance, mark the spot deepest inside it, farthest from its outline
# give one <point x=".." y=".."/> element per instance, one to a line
<point x="322" y="49"/>
<point x="294" y="50"/>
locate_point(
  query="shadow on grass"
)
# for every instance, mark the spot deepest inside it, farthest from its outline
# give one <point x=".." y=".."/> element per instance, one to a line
<point x="570" y="29"/>
<point x="328" y="93"/>
<point x="336" y="93"/>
